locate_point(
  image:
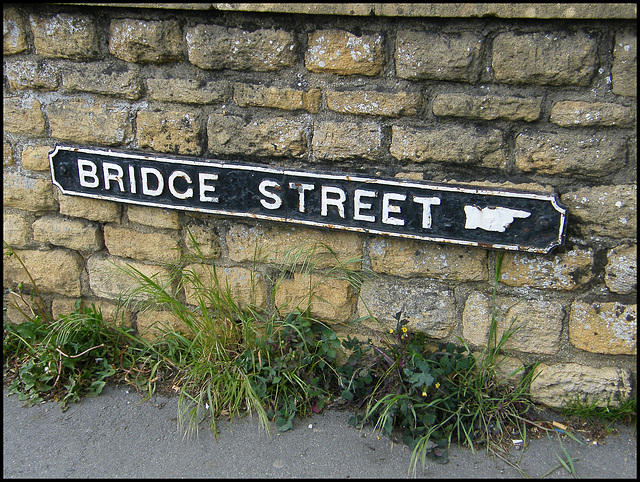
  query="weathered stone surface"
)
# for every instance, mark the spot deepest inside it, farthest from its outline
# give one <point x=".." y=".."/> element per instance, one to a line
<point x="187" y="91"/>
<point x="85" y="121"/>
<point x="243" y="286"/>
<point x="564" y="271"/>
<point x="36" y="158"/>
<point x="154" y="217"/>
<point x="264" y="50"/>
<point x="108" y="78"/>
<point x="624" y="73"/>
<point x="458" y="145"/>
<point x="14" y="36"/>
<point x="548" y="59"/>
<point x="327" y="299"/>
<point x="16" y="229"/>
<point x="621" y="271"/>
<point x="31" y="74"/>
<point x="346" y="140"/>
<point x="609" y="328"/>
<point x="340" y="52"/>
<point x="487" y="107"/>
<point x="247" y="95"/>
<point x="585" y="114"/>
<point x="604" y="210"/>
<point x="131" y="243"/>
<point x="538" y="323"/>
<point x="110" y="312"/>
<point x="152" y="324"/>
<point x="374" y="103"/>
<point x="8" y="158"/>
<point x="424" y="55"/>
<point x="554" y="385"/>
<point x="27" y="193"/>
<point x="145" y="40"/>
<point x="69" y="36"/>
<point x="291" y="246"/>
<point x="429" y="307"/>
<point x="23" y="116"/>
<point x="206" y="238"/>
<point x="69" y="233"/>
<point x="108" y="280"/>
<point x="55" y="271"/>
<point x="407" y="258"/>
<point x="563" y="154"/>
<point x="276" y="136"/>
<point x="93" y="209"/>
<point x="177" y="132"/>
<point x="19" y="308"/>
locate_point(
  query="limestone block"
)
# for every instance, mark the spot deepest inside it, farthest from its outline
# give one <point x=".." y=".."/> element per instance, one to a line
<point x="609" y="328"/>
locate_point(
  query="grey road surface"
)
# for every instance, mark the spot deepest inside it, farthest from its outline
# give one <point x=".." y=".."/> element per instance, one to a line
<point x="116" y="436"/>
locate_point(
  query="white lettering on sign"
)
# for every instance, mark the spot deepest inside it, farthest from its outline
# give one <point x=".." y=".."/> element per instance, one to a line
<point x="83" y="173"/>
<point x="144" y="172"/>
<point x="358" y="205"/>
<point x="172" y="188"/>
<point x="301" y="187"/>
<point x="203" y="177"/>
<point x="426" y="202"/>
<point x="112" y="172"/>
<point x="332" y="201"/>
<point x="492" y="218"/>
<point x="388" y="208"/>
<point x="276" y="200"/>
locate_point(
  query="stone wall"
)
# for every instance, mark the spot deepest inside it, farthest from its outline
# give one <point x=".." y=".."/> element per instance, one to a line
<point x="541" y="97"/>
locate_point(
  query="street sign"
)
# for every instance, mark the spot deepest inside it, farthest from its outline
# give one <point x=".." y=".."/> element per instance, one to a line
<point x="442" y="213"/>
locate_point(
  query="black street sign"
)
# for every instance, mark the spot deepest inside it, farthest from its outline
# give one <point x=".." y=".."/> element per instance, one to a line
<point x="442" y="213"/>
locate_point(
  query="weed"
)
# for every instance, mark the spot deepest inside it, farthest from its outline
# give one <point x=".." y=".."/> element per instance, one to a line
<point x="605" y="411"/>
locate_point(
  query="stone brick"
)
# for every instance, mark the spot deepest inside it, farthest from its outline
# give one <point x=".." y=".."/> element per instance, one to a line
<point x="271" y="137"/>
<point x="23" y="116"/>
<point x="554" y="385"/>
<point x="568" y="154"/>
<point x="69" y="233"/>
<point x="604" y="210"/>
<point x="559" y="271"/>
<point x="290" y="246"/>
<point x="55" y="271"/>
<point x="346" y="140"/>
<point x="187" y="91"/>
<point x="374" y="103"/>
<point x="20" y="308"/>
<point x="487" y="107"/>
<point x="176" y="132"/>
<point x="327" y="299"/>
<point x="108" y="78"/>
<point x="8" y="158"/>
<point x="145" y="40"/>
<point x="85" y="121"/>
<point x="246" y="95"/>
<point x="31" y="74"/>
<point x="621" y="271"/>
<point x="154" y="217"/>
<point x="65" y="36"/>
<point x="429" y="307"/>
<point x="624" y="73"/>
<point x="407" y="258"/>
<point x="244" y="287"/>
<point x="131" y="243"/>
<point x="423" y="55"/>
<point x="16" y="229"/>
<point x="111" y="313"/>
<point x="36" y="158"/>
<point x="340" y="52"/>
<point x="538" y="323"/>
<point x="92" y="209"/>
<point x="14" y="36"/>
<point x="607" y="328"/>
<point x="264" y="50"/>
<point x="27" y="193"/>
<point x="586" y="114"/>
<point x="458" y="145"/>
<point x="206" y="238"/>
<point x="107" y="278"/>
<point x="548" y="59"/>
<point x="152" y="324"/>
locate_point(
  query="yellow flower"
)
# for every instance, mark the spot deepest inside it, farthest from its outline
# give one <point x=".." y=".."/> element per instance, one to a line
<point x="391" y="330"/>
<point x="437" y="384"/>
<point x="424" y="394"/>
<point x="404" y="329"/>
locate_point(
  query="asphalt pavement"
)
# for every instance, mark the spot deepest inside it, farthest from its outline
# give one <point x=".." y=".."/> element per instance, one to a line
<point x="116" y="435"/>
